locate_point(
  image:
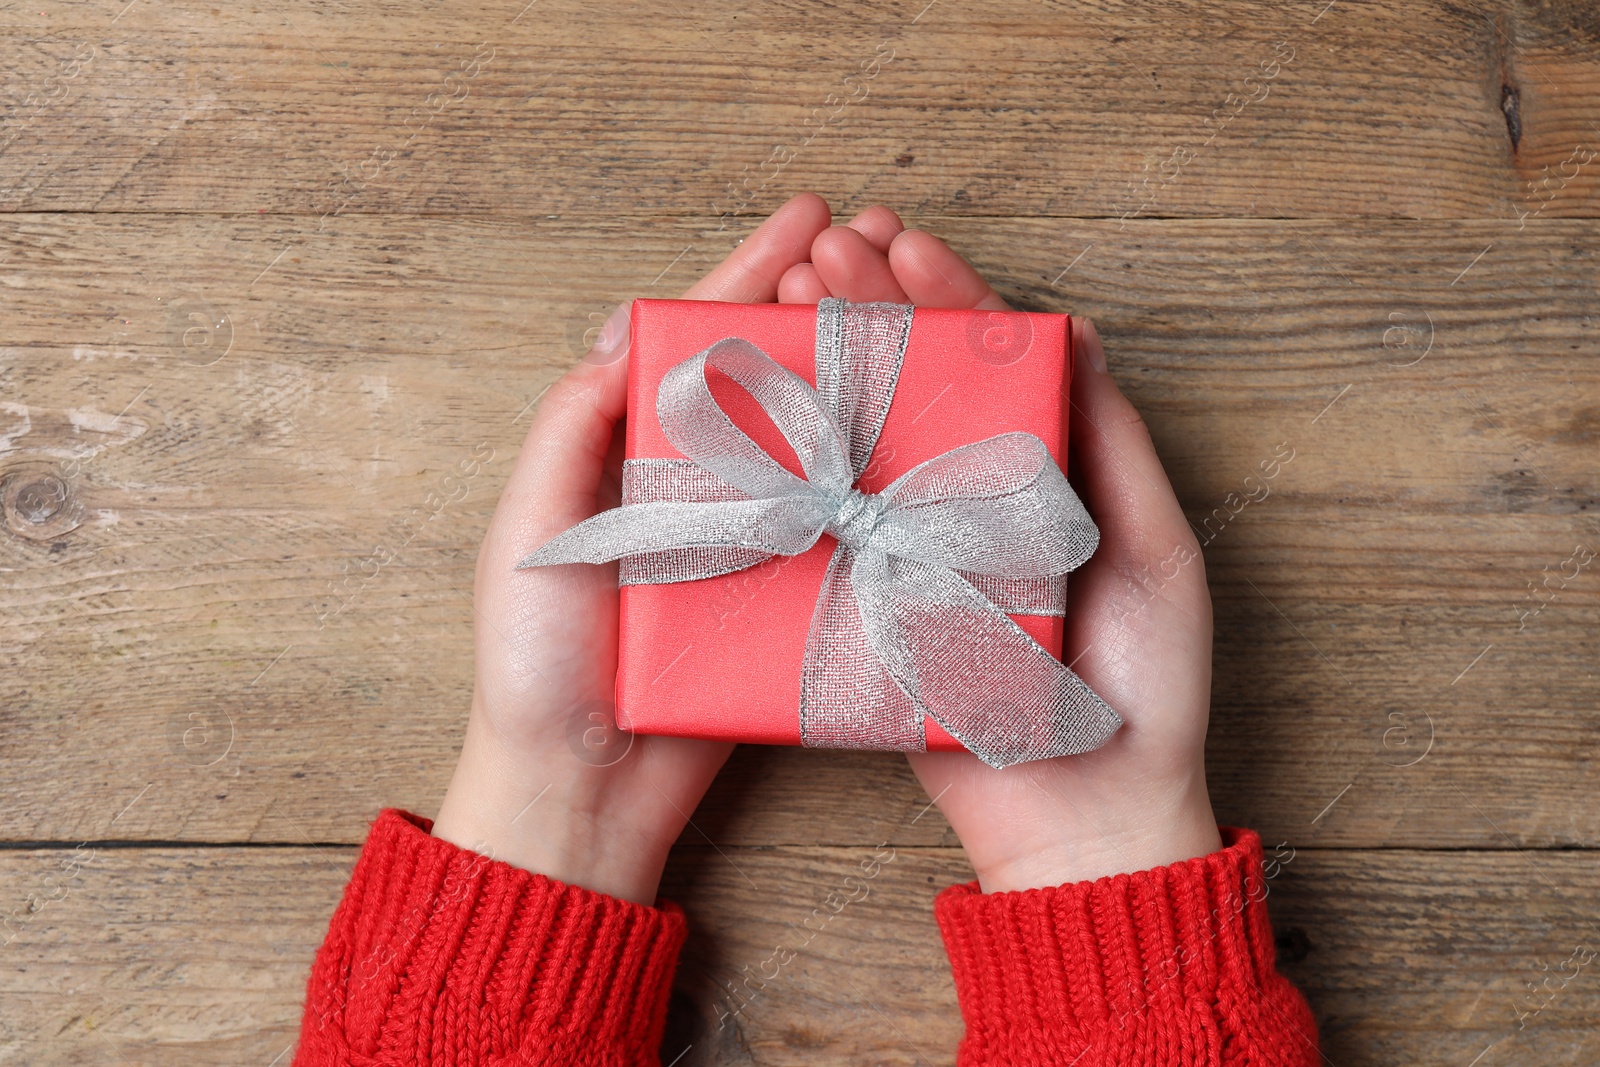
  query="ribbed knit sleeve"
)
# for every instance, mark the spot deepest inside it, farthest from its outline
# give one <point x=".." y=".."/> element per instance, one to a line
<point x="439" y="955"/>
<point x="1173" y="965"/>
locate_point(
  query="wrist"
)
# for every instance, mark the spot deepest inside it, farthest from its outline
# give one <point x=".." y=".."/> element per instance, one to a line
<point x="1078" y="844"/>
<point x="548" y="816"/>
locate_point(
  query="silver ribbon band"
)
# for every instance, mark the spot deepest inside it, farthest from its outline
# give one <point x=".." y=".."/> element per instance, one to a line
<point x="912" y="618"/>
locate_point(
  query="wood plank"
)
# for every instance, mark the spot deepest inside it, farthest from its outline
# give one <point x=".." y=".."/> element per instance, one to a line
<point x="165" y="620"/>
<point x="1419" y="108"/>
<point x="199" y="956"/>
<point x="1426" y="957"/>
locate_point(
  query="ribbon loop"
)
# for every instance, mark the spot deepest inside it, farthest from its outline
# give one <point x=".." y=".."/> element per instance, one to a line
<point x="1000" y="506"/>
<point x="907" y="622"/>
<point x="697" y="426"/>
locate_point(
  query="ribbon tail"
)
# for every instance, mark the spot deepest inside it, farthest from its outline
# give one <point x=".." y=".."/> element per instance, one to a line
<point x="647" y="481"/>
<point x="847" y="697"/>
<point x="785" y="526"/>
<point x="973" y="670"/>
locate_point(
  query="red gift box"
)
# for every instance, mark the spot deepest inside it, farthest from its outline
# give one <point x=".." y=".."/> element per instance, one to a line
<point x="721" y="657"/>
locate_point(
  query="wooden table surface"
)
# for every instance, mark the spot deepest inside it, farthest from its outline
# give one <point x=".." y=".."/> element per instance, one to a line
<point x="272" y="271"/>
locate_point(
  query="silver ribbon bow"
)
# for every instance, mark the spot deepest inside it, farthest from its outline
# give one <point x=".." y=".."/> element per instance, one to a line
<point x="911" y="619"/>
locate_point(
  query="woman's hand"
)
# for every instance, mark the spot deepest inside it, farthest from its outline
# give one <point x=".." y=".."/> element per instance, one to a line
<point x="545" y="781"/>
<point x="1138" y="629"/>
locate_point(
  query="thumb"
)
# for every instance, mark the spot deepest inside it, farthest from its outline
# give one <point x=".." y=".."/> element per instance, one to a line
<point x="558" y="477"/>
<point x="1114" y="467"/>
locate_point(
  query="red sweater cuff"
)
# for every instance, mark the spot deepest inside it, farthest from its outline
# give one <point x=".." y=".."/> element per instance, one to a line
<point x="440" y="955"/>
<point x="1167" y="966"/>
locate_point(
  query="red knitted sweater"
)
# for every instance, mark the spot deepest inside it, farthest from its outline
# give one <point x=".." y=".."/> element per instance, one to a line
<point x="438" y="955"/>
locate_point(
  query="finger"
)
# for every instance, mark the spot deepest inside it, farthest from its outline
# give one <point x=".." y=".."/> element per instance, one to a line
<point x="853" y="268"/>
<point x="933" y="275"/>
<point x="878" y="225"/>
<point x="751" y="273"/>
<point x="557" y="478"/>
<point x="1114" y="465"/>
<point x="801" y="285"/>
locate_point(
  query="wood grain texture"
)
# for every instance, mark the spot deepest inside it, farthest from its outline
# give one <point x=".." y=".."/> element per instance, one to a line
<point x="1010" y="107"/>
<point x="189" y="956"/>
<point x="199" y="612"/>
<point x="281" y="285"/>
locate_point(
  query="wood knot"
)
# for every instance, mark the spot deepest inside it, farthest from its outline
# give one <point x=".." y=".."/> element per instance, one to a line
<point x="38" y="502"/>
<point x="1293" y="945"/>
<point x="1511" y="108"/>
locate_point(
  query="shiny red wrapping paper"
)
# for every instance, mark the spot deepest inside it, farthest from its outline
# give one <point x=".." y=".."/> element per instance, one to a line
<point x="720" y="657"/>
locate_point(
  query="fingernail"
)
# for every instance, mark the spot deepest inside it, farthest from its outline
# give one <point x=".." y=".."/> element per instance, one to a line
<point x="612" y="343"/>
<point x="1092" y="347"/>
